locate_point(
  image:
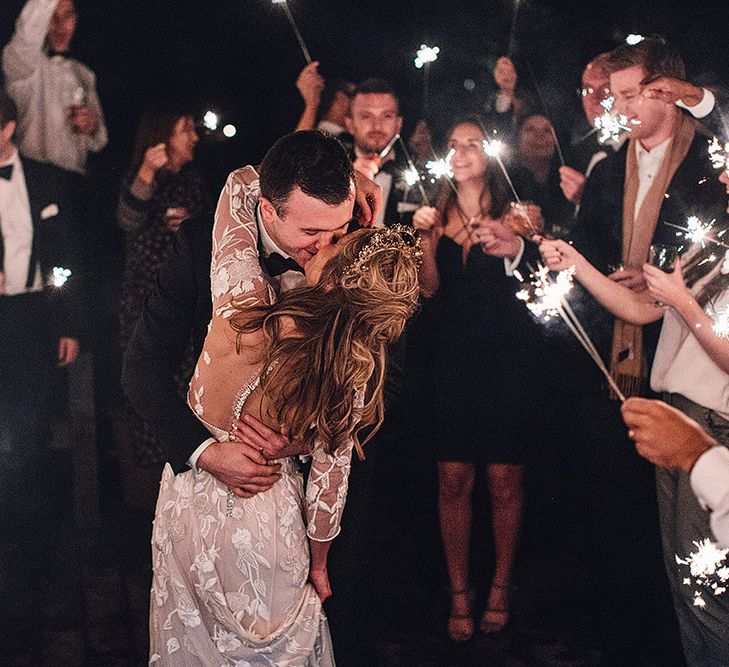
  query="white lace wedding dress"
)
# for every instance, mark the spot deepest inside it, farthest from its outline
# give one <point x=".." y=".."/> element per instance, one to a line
<point x="230" y="575"/>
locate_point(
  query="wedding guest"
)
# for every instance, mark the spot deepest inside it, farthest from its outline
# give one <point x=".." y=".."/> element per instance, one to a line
<point x="326" y="102"/>
<point x="60" y="119"/>
<point x="473" y="385"/>
<point x="161" y="190"/>
<point x="691" y="370"/>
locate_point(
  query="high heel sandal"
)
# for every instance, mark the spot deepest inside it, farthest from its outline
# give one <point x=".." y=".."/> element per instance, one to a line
<point x="461" y="626"/>
<point x="495" y="619"/>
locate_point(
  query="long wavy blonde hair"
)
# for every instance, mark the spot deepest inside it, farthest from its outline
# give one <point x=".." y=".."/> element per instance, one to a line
<point x="343" y="326"/>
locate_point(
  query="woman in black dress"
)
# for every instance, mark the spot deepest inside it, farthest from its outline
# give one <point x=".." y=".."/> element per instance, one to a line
<point x="476" y="378"/>
<point x="161" y="190"/>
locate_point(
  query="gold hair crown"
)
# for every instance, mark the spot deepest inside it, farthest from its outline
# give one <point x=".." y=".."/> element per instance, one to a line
<point x="398" y="237"/>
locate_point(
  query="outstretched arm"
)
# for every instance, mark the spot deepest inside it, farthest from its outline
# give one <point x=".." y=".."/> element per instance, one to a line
<point x="23" y="54"/>
<point x="626" y="304"/>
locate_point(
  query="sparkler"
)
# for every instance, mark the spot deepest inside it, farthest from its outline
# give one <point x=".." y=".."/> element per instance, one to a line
<point x="59" y="276"/>
<point x="425" y="56"/>
<point x="697" y="231"/>
<point x="721" y="322"/>
<point x="439" y="168"/>
<point x="545" y="107"/>
<point x="211" y="121"/>
<point x="411" y="176"/>
<point x="412" y="170"/>
<point x="294" y="27"/>
<point x="512" y="32"/>
<point x="708" y="568"/>
<point x="719" y="154"/>
<point x="547" y="298"/>
<point x="610" y="124"/>
<point x="383" y="153"/>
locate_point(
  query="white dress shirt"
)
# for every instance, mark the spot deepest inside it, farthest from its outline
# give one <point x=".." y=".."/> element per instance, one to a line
<point x="710" y="483"/>
<point x="284" y="282"/>
<point x="17" y="230"/>
<point x="703" y="108"/>
<point x="45" y="88"/>
<point x="332" y="129"/>
<point x="649" y="163"/>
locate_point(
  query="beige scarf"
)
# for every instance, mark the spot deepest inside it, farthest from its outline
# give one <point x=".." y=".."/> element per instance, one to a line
<point x="627" y="360"/>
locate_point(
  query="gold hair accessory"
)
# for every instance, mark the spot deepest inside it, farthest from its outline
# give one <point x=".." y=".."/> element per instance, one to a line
<point x="398" y="237"/>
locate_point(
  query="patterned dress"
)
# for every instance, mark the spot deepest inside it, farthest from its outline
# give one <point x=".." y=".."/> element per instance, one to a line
<point x="148" y="244"/>
<point x="230" y="575"/>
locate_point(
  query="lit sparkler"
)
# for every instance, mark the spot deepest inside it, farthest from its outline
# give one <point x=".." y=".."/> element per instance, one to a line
<point x="547" y="297"/>
<point x="721" y="322"/>
<point x="411" y="176"/>
<point x="610" y="124"/>
<point x="294" y="27"/>
<point x="708" y="568"/>
<point x="211" y="121"/>
<point x="697" y="232"/>
<point x="383" y="153"/>
<point x="412" y="169"/>
<point x="633" y="39"/>
<point x="441" y="167"/>
<point x="59" y="276"/>
<point x="719" y="154"/>
<point x="425" y="55"/>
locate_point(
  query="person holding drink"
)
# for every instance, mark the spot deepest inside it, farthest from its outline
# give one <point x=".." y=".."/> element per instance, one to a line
<point x="475" y="386"/>
<point x="691" y="371"/>
<point x="161" y="190"/>
<point x="60" y="116"/>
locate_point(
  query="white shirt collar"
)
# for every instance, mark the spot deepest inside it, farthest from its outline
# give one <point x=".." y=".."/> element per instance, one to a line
<point x="656" y="153"/>
<point x="328" y="127"/>
<point x="267" y="243"/>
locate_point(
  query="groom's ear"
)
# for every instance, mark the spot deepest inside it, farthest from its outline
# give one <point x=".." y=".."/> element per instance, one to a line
<point x="268" y="212"/>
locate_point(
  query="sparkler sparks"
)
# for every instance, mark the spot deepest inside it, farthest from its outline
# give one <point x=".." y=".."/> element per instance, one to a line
<point x="211" y="121"/>
<point x="493" y="147"/>
<point x="544" y="296"/>
<point x="610" y="124"/>
<point x="547" y="298"/>
<point x="709" y="570"/>
<point x="411" y="176"/>
<point x="698" y="232"/>
<point x="425" y="55"/>
<point x="721" y="322"/>
<point x="442" y="167"/>
<point x="719" y="154"/>
<point x="59" y="276"/>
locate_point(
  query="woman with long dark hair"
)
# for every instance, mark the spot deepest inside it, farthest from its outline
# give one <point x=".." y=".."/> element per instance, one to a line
<point x="160" y="191"/>
<point x="479" y="326"/>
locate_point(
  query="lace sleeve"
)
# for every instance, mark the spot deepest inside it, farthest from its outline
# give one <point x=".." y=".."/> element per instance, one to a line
<point x="326" y="492"/>
<point x="235" y="273"/>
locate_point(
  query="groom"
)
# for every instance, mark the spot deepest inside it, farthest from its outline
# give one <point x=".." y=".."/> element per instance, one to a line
<point x="307" y="200"/>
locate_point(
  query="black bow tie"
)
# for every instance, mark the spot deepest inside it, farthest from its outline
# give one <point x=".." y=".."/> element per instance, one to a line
<point x="277" y="264"/>
<point x="6" y="172"/>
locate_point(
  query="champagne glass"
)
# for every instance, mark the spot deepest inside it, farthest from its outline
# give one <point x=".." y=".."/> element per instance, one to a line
<point x="663" y="257"/>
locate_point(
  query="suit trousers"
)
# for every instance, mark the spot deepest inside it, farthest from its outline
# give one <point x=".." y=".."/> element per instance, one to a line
<point x="29" y="376"/>
<point x="704" y="629"/>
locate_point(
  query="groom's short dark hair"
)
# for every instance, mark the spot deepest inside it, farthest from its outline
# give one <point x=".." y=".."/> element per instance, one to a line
<point x="316" y="163"/>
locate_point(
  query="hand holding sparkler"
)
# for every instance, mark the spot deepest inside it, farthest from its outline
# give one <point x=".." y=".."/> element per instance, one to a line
<point x="368" y="165"/>
<point x="664" y="435"/>
<point x="559" y="256"/>
<point x="572" y="183"/>
<point x="310" y="84"/>
<point x="426" y="220"/>
<point x="668" y="289"/>
<point x="670" y="91"/>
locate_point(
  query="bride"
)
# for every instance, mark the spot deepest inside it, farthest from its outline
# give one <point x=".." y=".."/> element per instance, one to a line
<point x="240" y="581"/>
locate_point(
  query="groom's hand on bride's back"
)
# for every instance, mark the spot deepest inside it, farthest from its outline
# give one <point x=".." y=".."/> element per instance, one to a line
<point x="241" y="467"/>
<point x="271" y="444"/>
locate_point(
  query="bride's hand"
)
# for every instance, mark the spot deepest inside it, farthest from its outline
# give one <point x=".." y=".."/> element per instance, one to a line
<point x="319" y="578"/>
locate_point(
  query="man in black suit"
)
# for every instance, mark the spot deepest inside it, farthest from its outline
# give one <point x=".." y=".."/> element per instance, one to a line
<point x="41" y="321"/>
<point x="374" y="120"/>
<point x="179" y="309"/>
<point x="659" y="177"/>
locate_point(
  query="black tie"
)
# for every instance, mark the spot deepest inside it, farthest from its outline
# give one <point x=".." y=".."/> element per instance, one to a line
<point x="277" y="264"/>
<point x="6" y="172"/>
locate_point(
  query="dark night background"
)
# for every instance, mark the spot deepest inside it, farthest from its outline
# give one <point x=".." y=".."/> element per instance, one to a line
<point x="240" y="56"/>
